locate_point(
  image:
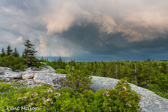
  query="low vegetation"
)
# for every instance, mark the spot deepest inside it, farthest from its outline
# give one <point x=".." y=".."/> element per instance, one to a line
<point x="75" y="97"/>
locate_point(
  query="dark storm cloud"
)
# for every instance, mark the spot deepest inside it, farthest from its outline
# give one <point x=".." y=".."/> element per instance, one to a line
<point x="72" y="27"/>
<point x="112" y="44"/>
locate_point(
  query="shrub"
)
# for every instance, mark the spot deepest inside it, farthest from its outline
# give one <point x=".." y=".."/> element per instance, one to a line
<point x="61" y="71"/>
<point x="77" y="79"/>
<point x="4" y="87"/>
<point x="15" y="63"/>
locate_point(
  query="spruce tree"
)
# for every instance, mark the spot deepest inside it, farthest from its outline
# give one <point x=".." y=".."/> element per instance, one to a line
<point x="15" y="53"/>
<point x="3" y="54"/>
<point x="9" y="50"/>
<point x="29" y="53"/>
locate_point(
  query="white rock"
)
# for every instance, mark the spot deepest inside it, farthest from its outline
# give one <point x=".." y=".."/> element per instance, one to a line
<point x="13" y="75"/>
<point x="47" y="78"/>
<point x="28" y="76"/>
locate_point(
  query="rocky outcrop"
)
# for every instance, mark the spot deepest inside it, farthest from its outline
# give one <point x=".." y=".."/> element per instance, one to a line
<point x="27" y="76"/>
<point x="150" y="102"/>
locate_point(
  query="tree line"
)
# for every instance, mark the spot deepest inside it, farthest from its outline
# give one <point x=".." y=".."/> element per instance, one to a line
<point x="9" y="52"/>
<point x="11" y="58"/>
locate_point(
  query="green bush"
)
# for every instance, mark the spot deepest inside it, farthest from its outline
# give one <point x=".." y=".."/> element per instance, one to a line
<point x="77" y="79"/>
<point x="61" y="71"/>
<point x="15" y="63"/>
<point x="4" y="87"/>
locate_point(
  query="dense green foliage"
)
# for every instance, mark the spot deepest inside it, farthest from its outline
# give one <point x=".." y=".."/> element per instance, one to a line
<point x="15" y="63"/>
<point x="149" y="74"/>
<point x="61" y="71"/>
<point x="76" y="79"/>
<point x="47" y="99"/>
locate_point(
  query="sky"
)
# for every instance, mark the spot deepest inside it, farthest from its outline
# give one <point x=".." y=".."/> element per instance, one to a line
<point x="120" y="28"/>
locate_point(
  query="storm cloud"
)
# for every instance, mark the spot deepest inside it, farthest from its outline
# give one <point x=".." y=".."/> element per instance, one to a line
<point x="121" y="28"/>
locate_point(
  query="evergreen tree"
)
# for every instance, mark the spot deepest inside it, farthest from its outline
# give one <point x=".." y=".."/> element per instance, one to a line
<point x="3" y="54"/>
<point x="23" y="55"/>
<point x="29" y="53"/>
<point x="15" y="53"/>
<point x="9" y="50"/>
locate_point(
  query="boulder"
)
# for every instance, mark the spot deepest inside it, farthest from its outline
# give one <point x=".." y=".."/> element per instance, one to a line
<point x="28" y="75"/>
<point x="150" y="102"/>
<point x="47" y="78"/>
<point x="13" y="75"/>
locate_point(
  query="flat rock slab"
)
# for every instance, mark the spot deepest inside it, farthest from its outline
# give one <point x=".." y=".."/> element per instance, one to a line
<point x="150" y="102"/>
<point x="47" y="78"/>
<point x="13" y="75"/>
